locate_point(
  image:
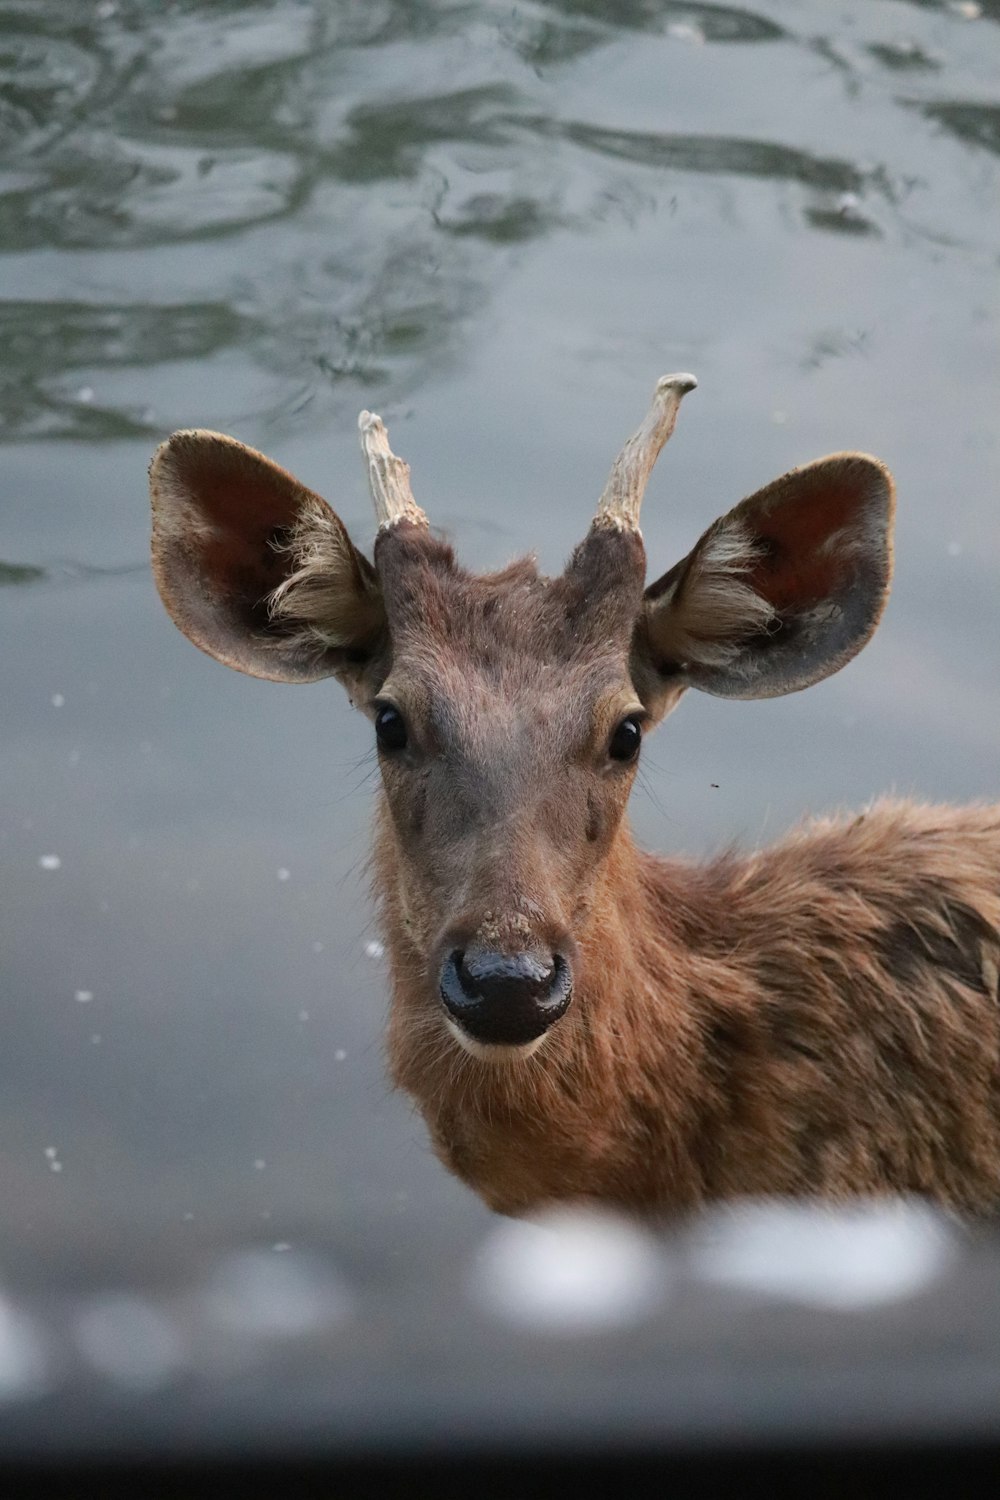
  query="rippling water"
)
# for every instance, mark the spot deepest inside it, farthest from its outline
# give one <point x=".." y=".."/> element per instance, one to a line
<point x="497" y="224"/>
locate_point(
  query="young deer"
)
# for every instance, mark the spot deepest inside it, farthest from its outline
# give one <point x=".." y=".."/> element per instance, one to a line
<point x="578" y="1019"/>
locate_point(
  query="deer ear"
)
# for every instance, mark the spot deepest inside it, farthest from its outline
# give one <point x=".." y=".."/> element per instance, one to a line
<point x="257" y="570"/>
<point x="779" y="593"/>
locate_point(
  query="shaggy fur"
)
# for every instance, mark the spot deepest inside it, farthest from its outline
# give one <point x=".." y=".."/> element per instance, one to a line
<point x="710" y="609"/>
<point x="312" y="601"/>
<point x="819" y="1018"/>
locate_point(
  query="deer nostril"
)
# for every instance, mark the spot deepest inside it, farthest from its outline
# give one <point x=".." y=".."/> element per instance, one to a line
<point x="505" y="999"/>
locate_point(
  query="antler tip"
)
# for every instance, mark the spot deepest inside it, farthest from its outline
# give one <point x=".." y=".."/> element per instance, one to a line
<point x="682" y="384"/>
<point x="370" y="421"/>
<point x="388" y="476"/>
<point x="618" y="507"/>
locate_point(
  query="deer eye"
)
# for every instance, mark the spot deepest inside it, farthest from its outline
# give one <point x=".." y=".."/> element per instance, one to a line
<point x="626" y="740"/>
<point x="390" y="728"/>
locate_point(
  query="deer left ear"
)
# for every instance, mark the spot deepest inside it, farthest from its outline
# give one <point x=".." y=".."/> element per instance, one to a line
<point x="780" y="592"/>
<point x="256" y="569"/>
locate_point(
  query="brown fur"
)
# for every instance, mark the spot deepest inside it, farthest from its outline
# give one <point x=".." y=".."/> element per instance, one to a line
<point x="821" y="1017"/>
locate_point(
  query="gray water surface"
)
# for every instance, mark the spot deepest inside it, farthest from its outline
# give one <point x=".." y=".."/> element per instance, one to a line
<point x="496" y="224"/>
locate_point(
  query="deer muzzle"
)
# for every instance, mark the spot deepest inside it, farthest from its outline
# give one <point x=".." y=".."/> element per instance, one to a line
<point x="505" y="999"/>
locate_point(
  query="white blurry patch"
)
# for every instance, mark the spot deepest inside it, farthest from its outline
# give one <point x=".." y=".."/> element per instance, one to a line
<point x="569" y="1271"/>
<point x="251" y="1292"/>
<point x="847" y="1259"/>
<point x="83" y="996"/>
<point x="22" y="1358"/>
<point x="127" y="1339"/>
<point x="284" y="874"/>
<point x="49" y="861"/>
<point x="683" y="31"/>
<point x="58" y="700"/>
<point x="374" y="949"/>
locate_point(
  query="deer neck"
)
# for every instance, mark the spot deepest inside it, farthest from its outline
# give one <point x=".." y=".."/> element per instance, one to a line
<point x="587" y="1110"/>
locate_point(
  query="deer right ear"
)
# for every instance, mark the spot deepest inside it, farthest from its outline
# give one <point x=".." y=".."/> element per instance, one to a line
<point x="257" y="570"/>
<point x="780" y="592"/>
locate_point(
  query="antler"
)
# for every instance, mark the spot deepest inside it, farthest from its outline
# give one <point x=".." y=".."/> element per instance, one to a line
<point x="388" y="476"/>
<point x="618" y="507"/>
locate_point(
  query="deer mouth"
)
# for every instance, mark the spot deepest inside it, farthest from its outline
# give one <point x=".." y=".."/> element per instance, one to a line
<point x="504" y="1000"/>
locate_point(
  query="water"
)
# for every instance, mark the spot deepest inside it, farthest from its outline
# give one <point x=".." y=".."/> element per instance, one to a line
<point x="496" y="224"/>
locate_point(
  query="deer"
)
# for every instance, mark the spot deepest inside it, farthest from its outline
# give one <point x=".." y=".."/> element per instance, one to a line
<point x="579" y="1020"/>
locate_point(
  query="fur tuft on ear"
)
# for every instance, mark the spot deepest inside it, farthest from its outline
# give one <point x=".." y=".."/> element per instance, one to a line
<point x="311" y="603"/>
<point x="707" y="607"/>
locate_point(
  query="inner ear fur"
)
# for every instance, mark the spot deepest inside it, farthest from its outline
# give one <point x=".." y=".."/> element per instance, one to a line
<point x="781" y="591"/>
<point x="256" y="569"/>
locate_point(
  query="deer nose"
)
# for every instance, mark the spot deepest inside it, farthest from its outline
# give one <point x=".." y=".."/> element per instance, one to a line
<point x="505" y="999"/>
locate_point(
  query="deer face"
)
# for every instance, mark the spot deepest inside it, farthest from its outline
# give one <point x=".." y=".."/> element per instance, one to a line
<point x="508" y="730"/>
<point x="509" y="710"/>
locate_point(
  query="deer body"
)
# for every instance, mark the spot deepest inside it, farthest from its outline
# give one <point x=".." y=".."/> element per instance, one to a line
<point x="575" y="1018"/>
<point x="821" y="1018"/>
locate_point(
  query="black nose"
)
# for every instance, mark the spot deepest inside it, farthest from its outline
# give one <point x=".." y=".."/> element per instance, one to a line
<point x="505" y="999"/>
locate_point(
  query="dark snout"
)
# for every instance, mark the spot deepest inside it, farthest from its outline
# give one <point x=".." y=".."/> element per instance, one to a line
<point x="505" y="999"/>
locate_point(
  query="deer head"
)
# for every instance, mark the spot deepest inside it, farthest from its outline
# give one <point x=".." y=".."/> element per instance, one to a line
<point x="509" y="709"/>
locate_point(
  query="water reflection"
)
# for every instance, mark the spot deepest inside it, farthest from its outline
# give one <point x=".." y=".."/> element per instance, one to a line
<point x="719" y="154"/>
<point x="17" y="573"/>
<point x="714" y="23"/>
<point x="104" y="189"/>
<point x="964" y="9"/>
<point x="504" y="221"/>
<point x="124" y="129"/>
<point x="47" y="384"/>
<point x="903" y="56"/>
<point x="391" y="140"/>
<point x="979" y="124"/>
